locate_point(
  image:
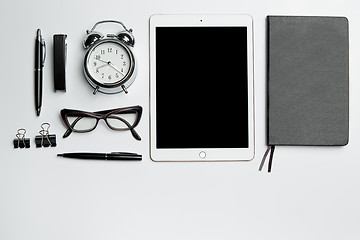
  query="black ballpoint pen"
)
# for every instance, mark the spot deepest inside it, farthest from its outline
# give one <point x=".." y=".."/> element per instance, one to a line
<point x="39" y="64"/>
<point x="103" y="156"/>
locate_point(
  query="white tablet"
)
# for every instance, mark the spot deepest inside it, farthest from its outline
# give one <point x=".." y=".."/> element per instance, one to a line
<point x="201" y="88"/>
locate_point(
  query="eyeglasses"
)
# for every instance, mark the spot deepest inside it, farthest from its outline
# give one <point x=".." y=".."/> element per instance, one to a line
<point x="119" y="119"/>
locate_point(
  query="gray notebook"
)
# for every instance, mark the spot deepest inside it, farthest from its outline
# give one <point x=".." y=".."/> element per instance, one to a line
<point x="308" y="81"/>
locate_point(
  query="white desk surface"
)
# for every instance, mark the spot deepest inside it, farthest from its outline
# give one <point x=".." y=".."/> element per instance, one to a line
<point x="312" y="193"/>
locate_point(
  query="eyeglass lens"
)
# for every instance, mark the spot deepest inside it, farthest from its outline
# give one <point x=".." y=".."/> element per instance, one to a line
<point x="121" y="121"/>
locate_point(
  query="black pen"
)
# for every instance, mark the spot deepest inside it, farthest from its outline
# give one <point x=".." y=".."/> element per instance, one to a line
<point x="39" y="64"/>
<point x="103" y="156"/>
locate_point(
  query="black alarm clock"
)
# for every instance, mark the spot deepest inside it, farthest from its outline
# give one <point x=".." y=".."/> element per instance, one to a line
<point x="109" y="63"/>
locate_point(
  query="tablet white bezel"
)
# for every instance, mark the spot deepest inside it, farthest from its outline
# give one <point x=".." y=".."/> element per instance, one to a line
<point x="197" y="154"/>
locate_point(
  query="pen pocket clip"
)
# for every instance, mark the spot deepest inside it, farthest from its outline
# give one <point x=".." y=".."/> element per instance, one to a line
<point x="43" y="45"/>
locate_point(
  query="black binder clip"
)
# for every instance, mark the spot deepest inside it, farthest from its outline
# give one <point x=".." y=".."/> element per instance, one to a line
<point x="20" y="141"/>
<point x="45" y="139"/>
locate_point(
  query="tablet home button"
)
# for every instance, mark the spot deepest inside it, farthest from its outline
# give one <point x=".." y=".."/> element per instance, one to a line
<point x="202" y="154"/>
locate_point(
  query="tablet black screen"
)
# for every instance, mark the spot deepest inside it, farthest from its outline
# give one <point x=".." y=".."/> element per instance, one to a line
<point x="201" y="87"/>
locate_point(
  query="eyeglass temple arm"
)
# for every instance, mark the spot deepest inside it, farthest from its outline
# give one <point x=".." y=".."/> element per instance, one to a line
<point x="135" y="134"/>
<point x="132" y="130"/>
<point x="69" y="130"/>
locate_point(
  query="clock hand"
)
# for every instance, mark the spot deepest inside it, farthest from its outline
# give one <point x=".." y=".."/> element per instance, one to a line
<point x="110" y="64"/>
<point x="114" y="67"/>
<point x="105" y="65"/>
<point x="102" y="60"/>
<point x="104" y="73"/>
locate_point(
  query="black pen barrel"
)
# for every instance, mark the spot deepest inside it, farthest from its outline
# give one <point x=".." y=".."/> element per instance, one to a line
<point x="38" y="88"/>
<point x="39" y="63"/>
<point x="100" y="156"/>
<point x="38" y="53"/>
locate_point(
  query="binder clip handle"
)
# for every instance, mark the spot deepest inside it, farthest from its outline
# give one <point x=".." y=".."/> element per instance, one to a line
<point x="45" y="139"/>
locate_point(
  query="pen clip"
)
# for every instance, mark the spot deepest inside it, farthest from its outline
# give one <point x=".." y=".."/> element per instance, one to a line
<point x="43" y="45"/>
<point x="124" y="153"/>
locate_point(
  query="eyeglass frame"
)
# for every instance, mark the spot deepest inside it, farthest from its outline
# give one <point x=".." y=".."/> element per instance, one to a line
<point x="79" y="114"/>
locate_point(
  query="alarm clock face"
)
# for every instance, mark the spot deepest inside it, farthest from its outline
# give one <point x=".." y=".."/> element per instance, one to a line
<point x="108" y="62"/>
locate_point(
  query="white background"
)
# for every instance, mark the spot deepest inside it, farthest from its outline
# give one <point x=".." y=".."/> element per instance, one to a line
<point x="312" y="193"/>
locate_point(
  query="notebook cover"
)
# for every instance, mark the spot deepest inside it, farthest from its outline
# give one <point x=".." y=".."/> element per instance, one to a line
<point x="308" y="80"/>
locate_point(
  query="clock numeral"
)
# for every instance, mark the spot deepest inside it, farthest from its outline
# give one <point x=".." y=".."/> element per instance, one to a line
<point x="95" y="63"/>
<point x="122" y="56"/>
<point x="97" y="70"/>
<point x="117" y="75"/>
<point x="116" y="51"/>
<point x="109" y="77"/>
<point x="110" y="50"/>
<point x="124" y="63"/>
<point x="102" y="51"/>
<point x="97" y="57"/>
<point x="122" y="70"/>
<point x="102" y="75"/>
